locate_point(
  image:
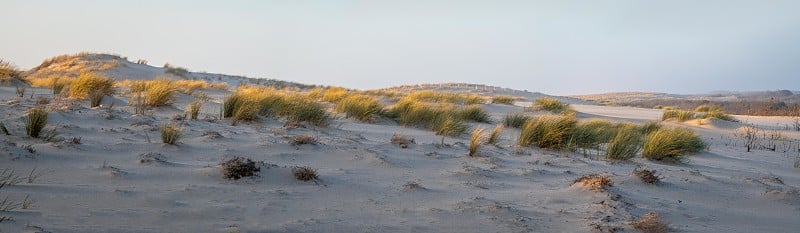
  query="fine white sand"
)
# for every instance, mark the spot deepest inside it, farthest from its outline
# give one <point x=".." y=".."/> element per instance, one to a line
<point x="102" y="185"/>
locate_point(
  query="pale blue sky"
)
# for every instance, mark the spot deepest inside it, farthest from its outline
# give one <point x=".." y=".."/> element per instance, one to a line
<point x="557" y="47"/>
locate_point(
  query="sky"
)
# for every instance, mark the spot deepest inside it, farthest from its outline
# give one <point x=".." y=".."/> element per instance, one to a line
<point x="554" y="47"/>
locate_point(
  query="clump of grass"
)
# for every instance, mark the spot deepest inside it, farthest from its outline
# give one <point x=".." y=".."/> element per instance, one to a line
<point x="138" y="102"/>
<point x="35" y="122"/>
<point x="360" y="107"/>
<point x="651" y="223"/>
<point x="303" y="140"/>
<point x="188" y="86"/>
<point x="550" y="104"/>
<point x="550" y="132"/>
<point x="649" y="127"/>
<point x="56" y="83"/>
<point x="473" y="113"/>
<point x="680" y="115"/>
<point x="671" y="143"/>
<point x="443" y="97"/>
<point x="194" y="109"/>
<point x="515" y="120"/>
<point x="88" y="83"/>
<point x="238" y="167"/>
<point x="248" y="103"/>
<point x="9" y="72"/>
<point x="625" y="144"/>
<point x="591" y="134"/>
<point x="594" y="182"/>
<point x="160" y="92"/>
<point x="647" y="175"/>
<point x="171" y="133"/>
<point x="478" y="138"/>
<point x="305" y="173"/>
<point x="298" y="109"/>
<point x="335" y="94"/>
<point x="492" y="139"/>
<point x="95" y="98"/>
<point x="503" y="99"/>
<point x="174" y="70"/>
<point x="446" y="125"/>
<point x="720" y="115"/>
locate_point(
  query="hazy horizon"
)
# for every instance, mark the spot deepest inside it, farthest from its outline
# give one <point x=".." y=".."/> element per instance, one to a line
<point x="563" y="48"/>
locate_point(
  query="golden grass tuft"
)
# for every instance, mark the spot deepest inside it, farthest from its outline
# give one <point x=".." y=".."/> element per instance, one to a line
<point x="671" y="143"/>
<point x="56" y="83"/>
<point x="360" y="107"/>
<point x="495" y="135"/>
<point x="680" y="115"/>
<point x="515" y="120"/>
<point x="550" y="132"/>
<point x="625" y="144"/>
<point x="551" y="104"/>
<point x="247" y="103"/>
<point x="160" y="92"/>
<point x="477" y="139"/>
<point x="503" y="99"/>
<point x="91" y="82"/>
<point x="35" y="122"/>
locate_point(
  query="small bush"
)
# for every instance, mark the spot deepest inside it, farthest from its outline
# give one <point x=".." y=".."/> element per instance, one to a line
<point x="672" y="143"/>
<point x="651" y="223"/>
<point x="87" y="83"/>
<point x="680" y="115"/>
<point x="170" y="133"/>
<point x="35" y="122"/>
<point x="360" y="107"/>
<point x="492" y="139"/>
<point x="550" y="104"/>
<point x="625" y="144"/>
<point x="550" y="132"/>
<point x="160" y="92"/>
<point x="305" y="173"/>
<point x="515" y="120"/>
<point x="594" y="182"/>
<point x="238" y="167"/>
<point x="503" y="99"/>
<point x="478" y="138"/>
<point x="647" y="175"/>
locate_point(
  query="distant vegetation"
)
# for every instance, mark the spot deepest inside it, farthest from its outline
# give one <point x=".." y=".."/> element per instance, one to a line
<point x="741" y="107"/>
<point x="503" y="99"/>
<point x="551" y="105"/>
<point x="174" y="70"/>
<point x="701" y="112"/>
<point x="248" y="103"/>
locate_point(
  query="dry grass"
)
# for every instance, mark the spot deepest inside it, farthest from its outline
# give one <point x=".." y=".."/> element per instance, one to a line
<point x="361" y="107"/>
<point x="445" y="97"/>
<point x="515" y="120"/>
<point x="495" y="135"/>
<point x="238" y="167"/>
<point x="171" y="133"/>
<point x="193" y="109"/>
<point x="87" y="83"/>
<point x="9" y="72"/>
<point x="160" y="92"/>
<point x="651" y="223"/>
<point x="680" y="115"/>
<point x="503" y="99"/>
<point x="594" y="182"/>
<point x="626" y="143"/>
<point x="550" y="104"/>
<point x="477" y="139"/>
<point x="35" y="121"/>
<point x="334" y="94"/>
<point x="647" y="175"/>
<point x="55" y="82"/>
<point x="550" y="132"/>
<point x="305" y="173"/>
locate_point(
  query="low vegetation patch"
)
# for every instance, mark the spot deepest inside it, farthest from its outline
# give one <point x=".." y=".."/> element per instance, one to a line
<point x="87" y="83"/>
<point x="9" y="73"/>
<point x="193" y="109"/>
<point x="402" y="140"/>
<point x="515" y="120"/>
<point x="651" y="223"/>
<point x="473" y="113"/>
<point x="478" y="138"/>
<point x="305" y="173"/>
<point x="238" y="167"/>
<point x="503" y="99"/>
<point x="626" y="143"/>
<point x="551" y="104"/>
<point x="594" y="182"/>
<point x="445" y="97"/>
<point x="550" y="132"/>
<point x="160" y="92"/>
<point x="36" y="121"/>
<point x="171" y="133"/>
<point x="174" y="70"/>
<point x="248" y="103"/>
<point x="671" y="143"/>
<point x="303" y="140"/>
<point x="360" y="107"/>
